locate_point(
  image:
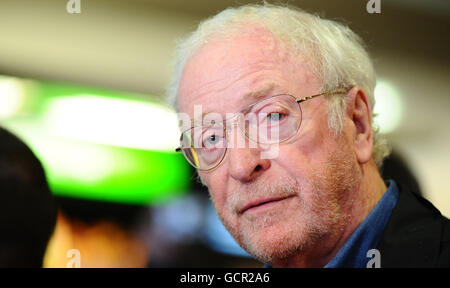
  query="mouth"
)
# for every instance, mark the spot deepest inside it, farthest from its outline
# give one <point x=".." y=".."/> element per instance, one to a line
<point x="262" y="203"/>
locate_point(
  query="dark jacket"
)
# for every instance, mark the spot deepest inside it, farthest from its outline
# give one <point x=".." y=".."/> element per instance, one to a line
<point x="416" y="235"/>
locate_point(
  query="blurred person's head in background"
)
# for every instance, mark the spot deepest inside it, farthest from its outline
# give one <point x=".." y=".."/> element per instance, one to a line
<point x="28" y="210"/>
<point x="396" y="167"/>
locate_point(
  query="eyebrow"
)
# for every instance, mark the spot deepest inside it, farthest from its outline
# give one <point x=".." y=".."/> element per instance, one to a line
<point x="263" y="91"/>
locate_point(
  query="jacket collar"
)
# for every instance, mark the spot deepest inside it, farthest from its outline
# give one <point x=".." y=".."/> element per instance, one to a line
<point x="412" y="235"/>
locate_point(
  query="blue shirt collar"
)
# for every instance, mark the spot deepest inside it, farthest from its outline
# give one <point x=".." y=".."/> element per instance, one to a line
<point x="366" y="237"/>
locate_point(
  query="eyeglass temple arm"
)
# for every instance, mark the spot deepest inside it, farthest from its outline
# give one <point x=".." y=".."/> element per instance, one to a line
<point x="338" y="91"/>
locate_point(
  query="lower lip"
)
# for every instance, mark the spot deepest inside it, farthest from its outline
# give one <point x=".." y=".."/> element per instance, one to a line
<point x="265" y="206"/>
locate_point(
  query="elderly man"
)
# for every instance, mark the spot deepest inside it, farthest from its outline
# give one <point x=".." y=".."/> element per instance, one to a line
<point x="292" y="158"/>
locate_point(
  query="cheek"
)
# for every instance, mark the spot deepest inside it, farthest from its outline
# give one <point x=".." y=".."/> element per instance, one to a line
<point x="308" y="152"/>
<point x="217" y="186"/>
<point x="306" y="160"/>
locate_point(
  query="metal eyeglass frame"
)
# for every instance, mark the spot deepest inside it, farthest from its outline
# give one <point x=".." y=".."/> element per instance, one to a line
<point x="333" y="92"/>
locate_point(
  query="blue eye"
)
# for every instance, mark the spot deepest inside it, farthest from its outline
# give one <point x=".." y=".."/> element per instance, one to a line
<point x="211" y="140"/>
<point x="274" y="117"/>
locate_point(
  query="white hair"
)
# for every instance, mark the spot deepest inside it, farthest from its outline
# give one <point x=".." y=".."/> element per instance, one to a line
<point x="334" y="54"/>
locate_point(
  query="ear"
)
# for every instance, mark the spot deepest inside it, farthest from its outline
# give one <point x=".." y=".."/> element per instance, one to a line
<point x="359" y="112"/>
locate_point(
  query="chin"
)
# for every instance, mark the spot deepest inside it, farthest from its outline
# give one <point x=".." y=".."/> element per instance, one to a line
<point x="274" y="242"/>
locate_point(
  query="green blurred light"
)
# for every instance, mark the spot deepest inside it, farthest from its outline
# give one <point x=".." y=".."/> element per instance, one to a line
<point x="102" y="145"/>
<point x="111" y="121"/>
<point x="106" y="173"/>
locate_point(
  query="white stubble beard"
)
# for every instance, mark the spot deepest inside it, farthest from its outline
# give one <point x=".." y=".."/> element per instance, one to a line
<point x="277" y="236"/>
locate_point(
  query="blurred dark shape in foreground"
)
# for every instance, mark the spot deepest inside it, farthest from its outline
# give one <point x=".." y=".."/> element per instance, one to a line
<point x="28" y="210"/>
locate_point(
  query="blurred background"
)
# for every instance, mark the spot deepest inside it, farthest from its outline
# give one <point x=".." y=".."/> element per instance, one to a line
<point x="86" y="92"/>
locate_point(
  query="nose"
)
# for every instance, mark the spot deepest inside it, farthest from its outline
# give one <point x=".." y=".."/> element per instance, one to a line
<point x="245" y="164"/>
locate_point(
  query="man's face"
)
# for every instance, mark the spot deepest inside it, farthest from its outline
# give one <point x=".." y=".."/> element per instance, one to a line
<point x="296" y="202"/>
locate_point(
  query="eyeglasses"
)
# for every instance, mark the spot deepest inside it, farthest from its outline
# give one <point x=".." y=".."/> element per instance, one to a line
<point x="268" y="121"/>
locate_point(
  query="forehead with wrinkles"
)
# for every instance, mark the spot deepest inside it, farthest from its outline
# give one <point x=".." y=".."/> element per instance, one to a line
<point x="224" y="71"/>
